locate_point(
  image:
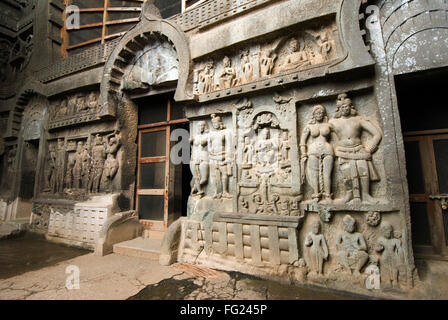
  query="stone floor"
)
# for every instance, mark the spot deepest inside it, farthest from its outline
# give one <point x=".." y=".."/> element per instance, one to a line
<point x="39" y="276"/>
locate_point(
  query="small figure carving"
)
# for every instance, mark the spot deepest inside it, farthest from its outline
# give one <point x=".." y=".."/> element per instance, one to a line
<point x="81" y="104"/>
<point x="10" y="169"/>
<point x="295" y="59"/>
<point x="207" y="79"/>
<point x="246" y="176"/>
<point x="51" y="174"/>
<point x="265" y="148"/>
<point x="227" y="76"/>
<point x="295" y="207"/>
<point x="244" y="204"/>
<point x="355" y="159"/>
<point x="284" y="207"/>
<point x="390" y="258"/>
<point x="97" y="164"/>
<point x="111" y="165"/>
<point x="317" y="248"/>
<point x="285" y="147"/>
<point x="220" y="143"/>
<point x="80" y="159"/>
<point x="317" y="161"/>
<point x="267" y="62"/>
<point x="351" y="247"/>
<point x="72" y="105"/>
<point x="373" y="218"/>
<point x="62" y="111"/>
<point x="199" y="163"/>
<point x="259" y="203"/>
<point x="248" y="153"/>
<point x="69" y="175"/>
<point x="247" y="68"/>
<point x="92" y="102"/>
<point x="60" y="163"/>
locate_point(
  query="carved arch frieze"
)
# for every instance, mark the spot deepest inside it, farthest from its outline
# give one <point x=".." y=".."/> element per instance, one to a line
<point x="130" y="45"/>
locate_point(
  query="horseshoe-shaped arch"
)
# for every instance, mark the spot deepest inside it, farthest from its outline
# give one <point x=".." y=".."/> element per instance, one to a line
<point x="127" y="48"/>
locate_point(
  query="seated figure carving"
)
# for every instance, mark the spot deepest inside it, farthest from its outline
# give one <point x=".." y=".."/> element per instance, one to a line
<point x="227" y="76"/>
<point x="351" y="247"/>
<point x="295" y="59"/>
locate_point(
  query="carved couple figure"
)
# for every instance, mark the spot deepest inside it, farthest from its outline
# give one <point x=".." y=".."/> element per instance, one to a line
<point x="354" y="157"/>
<point x="217" y="158"/>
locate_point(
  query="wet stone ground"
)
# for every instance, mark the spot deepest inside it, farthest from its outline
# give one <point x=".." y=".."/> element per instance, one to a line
<point x="32" y="252"/>
<point x="230" y="286"/>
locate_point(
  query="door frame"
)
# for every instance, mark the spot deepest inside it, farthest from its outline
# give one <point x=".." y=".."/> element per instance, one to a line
<point x="439" y="248"/>
<point x="155" y="127"/>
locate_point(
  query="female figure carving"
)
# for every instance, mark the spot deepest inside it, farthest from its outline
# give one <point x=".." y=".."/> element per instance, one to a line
<point x="317" y="156"/>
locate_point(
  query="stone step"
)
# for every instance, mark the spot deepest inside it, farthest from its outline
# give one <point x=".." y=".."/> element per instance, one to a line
<point x="140" y="248"/>
<point x="152" y="234"/>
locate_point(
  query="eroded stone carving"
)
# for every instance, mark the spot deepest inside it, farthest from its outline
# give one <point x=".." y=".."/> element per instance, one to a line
<point x="97" y="164"/>
<point x="206" y="78"/>
<point x="317" y="249"/>
<point x="296" y="57"/>
<point x="284" y="54"/>
<point x="317" y="157"/>
<point x="60" y="166"/>
<point x="81" y="166"/>
<point x="267" y="62"/>
<point x="351" y="247"/>
<point x="111" y="165"/>
<point x="220" y="143"/>
<point x="227" y="76"/>
<point x="155" y="64"/>
<point x="247" y="69"/>
<point x="392" y="254"/>
<point x="355" y="158"/>
<point x="11" y="160"/>
<point x="199" y="163"/>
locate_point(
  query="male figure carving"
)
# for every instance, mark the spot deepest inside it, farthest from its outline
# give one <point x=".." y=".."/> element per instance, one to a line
<point x="351" y="247"/>
<point x="295" y="59"/>
<point x="97" y="164"/>
<point x="227" y="76"/>
<point x="355" y="158"/>
<point x="220" y="142"/>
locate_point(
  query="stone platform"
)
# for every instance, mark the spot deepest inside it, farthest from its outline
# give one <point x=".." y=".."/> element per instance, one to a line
<point x="139" y="247"/>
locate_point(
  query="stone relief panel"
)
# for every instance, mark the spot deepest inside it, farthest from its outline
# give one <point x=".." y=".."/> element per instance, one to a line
<point x="73" y="109"/>
<point x="298" y="51"/>
<point x="154" y="65"/>
<point x="77" y="166"/>
<point x="315" y="166"/>
<point x="336" y="155"/>
<point x="9" y="169"/>
<point x="266" y="166"/>
<point x="212" y="161"/>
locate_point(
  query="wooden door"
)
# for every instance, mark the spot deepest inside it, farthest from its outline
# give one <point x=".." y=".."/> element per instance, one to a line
<point x="427" y="167"/>
<point x="157" y="192"/>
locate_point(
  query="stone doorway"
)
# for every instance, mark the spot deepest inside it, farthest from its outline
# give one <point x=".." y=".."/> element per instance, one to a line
<point x="160" y="194"/>
<point x="423" y="115"/>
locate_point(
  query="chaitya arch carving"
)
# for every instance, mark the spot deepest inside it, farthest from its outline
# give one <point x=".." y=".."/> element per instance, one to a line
<point x="137" y="42"/>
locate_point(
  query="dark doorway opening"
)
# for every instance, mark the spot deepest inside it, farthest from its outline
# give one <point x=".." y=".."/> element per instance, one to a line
<point x="29" y="164"/>
<point x="423" y="113"/>
<point x="162" y="190"/>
